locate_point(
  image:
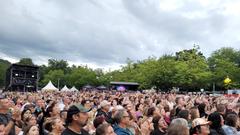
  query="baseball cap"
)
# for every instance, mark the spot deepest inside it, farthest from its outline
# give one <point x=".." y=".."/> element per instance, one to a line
<point x="199" y="122"/>
<point x="74" y="109"/>
<point x="104" y="103"/>
<point x="77" y="108"/>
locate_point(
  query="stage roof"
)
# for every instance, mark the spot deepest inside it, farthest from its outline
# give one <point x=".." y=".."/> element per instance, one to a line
<point x="124" y="83"/>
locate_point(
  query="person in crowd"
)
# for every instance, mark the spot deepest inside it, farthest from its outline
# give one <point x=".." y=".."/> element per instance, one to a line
<point x="147" y="124"/>
<point x="30" y="106"/>
<point x="202" y="110"/>
<point x="40" y="104"/>
<point x="28" y="100"/>
<point x="19" y="102"/>
<point x="131" y="113"/>
<point x="31" y="120"/>
<point x="53" y="110"/>
<point x="175" y="130"/>
<point x="122" y="119"/>
<point x="230" y="127"/>
<point x="54" y="126"/>
<point x="87" y="104"/>
<point x="104" y="111"/>
<point x="25" y="114"/>
<point x="63" y="115"/>
<point x="98" y="121"/>
<point x="216" y="124"/>
<point x="180" y="104"/>
<point x="160" y="126"/>
<point x="77" y="118"/>
<point x="152" y="112"/>
<point x="105" y="129"/>
<point x="139" y="110"/>
<point x="194" y="113"/>
<point x="31" y="130"/>
<point x="2" y="128"/>
<point x="184" y="114"/>
<point x="40" y="108"/>
<point x="65" y="103"/>
<point x="179" y="121"/>
<point x="167" y="110"/>
<point x="221" y="109"/>
<point x="9" y="119"/>
<point x="200" y="127"/>
<point x="170" y="101"/>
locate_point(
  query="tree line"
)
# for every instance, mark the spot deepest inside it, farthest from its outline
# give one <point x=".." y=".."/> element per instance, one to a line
<point x="187" y="70"/>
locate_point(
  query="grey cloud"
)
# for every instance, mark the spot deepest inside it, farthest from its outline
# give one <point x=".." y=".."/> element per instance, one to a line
<point x="105" y="32"/>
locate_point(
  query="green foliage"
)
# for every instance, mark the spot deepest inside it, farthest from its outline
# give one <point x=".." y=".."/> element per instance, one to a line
<point x="54" y="76"/>
<point x="4" y="64"/>
<point x="54" y="64"/>
<point x="82" y="76"/>
<point x="225" y="62"/>
<point x="187" y="69"/>
<point x="26" y="61"/>
<point x="196" y="69"/>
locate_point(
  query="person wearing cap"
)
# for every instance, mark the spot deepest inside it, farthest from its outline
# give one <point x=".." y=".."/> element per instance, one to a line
<point x="200" y="126"/>
<point x="77" y="118"/>
<point x="104" y="111"/>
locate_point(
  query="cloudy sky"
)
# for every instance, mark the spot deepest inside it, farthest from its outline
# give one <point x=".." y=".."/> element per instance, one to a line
<point x="104" y="33"/>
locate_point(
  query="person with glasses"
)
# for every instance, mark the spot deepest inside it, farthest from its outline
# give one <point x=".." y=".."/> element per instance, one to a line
<point x="122" y="120"/>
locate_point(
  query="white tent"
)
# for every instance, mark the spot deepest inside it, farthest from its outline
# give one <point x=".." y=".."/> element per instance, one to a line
<point x="65" y="88"/>
<point x="49" y="87"/>
<point x="73" y="89"/>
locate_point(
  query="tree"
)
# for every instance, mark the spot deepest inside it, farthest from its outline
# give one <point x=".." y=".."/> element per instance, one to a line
<point x="82" y="76"/>
<point x="225" y="53"/>
<point x="54" y="76"/>
<point x="43" y="70"/>
<point x="4" y="65"/>
<point x="102" y="78"/>
<point x="188" y="70"/>
<point x="54" y="64"/>
<point x="146" y="71"/>
<point x="26" y="61"/>
<point x="197" y="71"/>
<point x="225" y="62"/>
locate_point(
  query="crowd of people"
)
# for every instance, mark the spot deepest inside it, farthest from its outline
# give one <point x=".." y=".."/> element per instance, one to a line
<point x="117" y="113"/>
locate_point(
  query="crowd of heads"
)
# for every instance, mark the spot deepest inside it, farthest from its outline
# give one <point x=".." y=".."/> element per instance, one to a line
<point x="117" y="113"/>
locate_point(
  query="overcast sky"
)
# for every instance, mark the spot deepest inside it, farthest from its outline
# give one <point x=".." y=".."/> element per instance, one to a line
<point x="104" y="33"/>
